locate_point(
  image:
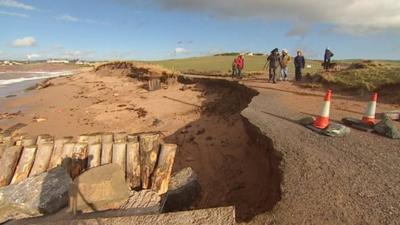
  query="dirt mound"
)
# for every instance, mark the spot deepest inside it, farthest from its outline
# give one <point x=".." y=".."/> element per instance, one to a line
<point x="133" y="69"/>
<point x="364" y="64"/>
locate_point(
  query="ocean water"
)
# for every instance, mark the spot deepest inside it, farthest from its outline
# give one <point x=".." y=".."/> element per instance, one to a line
<point x="15" y="83"/>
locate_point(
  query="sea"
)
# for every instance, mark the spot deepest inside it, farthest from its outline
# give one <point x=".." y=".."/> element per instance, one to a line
<point x="15" y="83"/>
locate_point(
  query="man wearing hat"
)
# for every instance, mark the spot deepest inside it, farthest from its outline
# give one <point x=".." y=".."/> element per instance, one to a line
<point x="284" y="62"/>
<point x="273" y="60"/>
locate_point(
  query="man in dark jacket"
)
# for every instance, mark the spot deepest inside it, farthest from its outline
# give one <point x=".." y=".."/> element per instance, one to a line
<point x="327" y="58"/>
<point x="273" y="60"/>
<point x="299" y="63"/>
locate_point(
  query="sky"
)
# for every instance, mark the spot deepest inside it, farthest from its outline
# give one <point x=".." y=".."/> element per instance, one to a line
<point x="163" y="29"/>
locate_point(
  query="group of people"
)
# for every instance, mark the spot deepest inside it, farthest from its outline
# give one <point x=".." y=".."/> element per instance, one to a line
<point x="282" y="60"/>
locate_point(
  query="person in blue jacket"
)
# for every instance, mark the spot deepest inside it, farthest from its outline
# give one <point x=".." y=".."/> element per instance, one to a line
<point x="299" y="63"/>
<point x="327" y="58"/>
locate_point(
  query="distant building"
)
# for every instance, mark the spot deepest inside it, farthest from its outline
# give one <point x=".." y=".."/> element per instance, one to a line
<point x="58" y="61"/>
<point x="81" y="62"/>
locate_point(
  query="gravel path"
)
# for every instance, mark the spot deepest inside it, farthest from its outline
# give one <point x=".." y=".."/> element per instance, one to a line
<point x="349" y="180"/>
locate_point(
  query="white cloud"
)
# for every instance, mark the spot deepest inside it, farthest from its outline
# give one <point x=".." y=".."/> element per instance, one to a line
<point x="14" y="14"/>
<point x="16" y="4"/>
<point x="32" y="56"/>
<point x="180" y="50"/>
<point x="352" y="16"/>
<point x="24" y="42"/>
<point x="68" y="18"/>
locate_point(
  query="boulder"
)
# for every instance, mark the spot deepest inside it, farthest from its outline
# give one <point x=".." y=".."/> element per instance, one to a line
<point x="145" y="200"/>
<point x="43" y="194"/>
<point x="386" y="127"/>
<point x="183" y="190"/>
<point x="99" y="188"/>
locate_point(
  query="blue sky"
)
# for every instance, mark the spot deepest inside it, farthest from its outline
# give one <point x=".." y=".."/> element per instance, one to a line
<point x="160" y="29"/>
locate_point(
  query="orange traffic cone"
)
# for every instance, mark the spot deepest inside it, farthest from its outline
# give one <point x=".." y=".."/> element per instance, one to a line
<point x="369" y="115"/>
<point x="322" y="121"/>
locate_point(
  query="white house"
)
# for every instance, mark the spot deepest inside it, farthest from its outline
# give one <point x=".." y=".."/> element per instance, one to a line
<point x="57" y="61"/>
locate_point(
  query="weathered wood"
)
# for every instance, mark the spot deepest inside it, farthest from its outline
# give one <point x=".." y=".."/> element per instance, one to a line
<point x="42" y="159"/>
<point x="133" y="164"/>
<point x="162" y="173"/>
<point x="149" y="147"/>
<point x="83" y="138"/>
<point x="120" y="137"/>
<point x="25" y="164"/>
<point x="56" y="157"/>
<point x="66" y="156"/>
<point x="132" y="137"/>
<point x="44" y="138"/>
<point x="106" y="153"/>
<point x="17" y="139"/>
<point x="107" y="137"/>
<point x="94" y="155"/>
<point x="8" y="163"/>
<point x="7" y="140"/>
<point x="28" y="141"/>
<point x="94" y="138"/>
<point x="79" y="159"/>
<point x="154" y="84"/>
<point x="119" y="155"/>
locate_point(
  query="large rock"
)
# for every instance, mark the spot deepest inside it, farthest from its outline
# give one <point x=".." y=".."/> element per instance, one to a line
<point x="387" y="128"/>
<point x="100" y="188"/>
<point x="183" y="190"/>
<point x="145" y="201"/>
<point x="43" y="194"/>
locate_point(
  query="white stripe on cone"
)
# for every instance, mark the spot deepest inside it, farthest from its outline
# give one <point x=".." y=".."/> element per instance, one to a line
<point x="370" y="112"/>
<point x="325" y="109"/>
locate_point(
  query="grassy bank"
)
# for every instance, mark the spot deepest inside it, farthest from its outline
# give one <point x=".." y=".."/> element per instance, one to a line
<point x="221" y="65"/>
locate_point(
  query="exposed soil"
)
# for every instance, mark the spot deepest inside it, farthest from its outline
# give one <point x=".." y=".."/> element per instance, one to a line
<point x="202" y="117"/>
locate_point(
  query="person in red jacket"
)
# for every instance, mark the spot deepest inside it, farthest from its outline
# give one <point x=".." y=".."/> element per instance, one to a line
<point x="239" y="65"/>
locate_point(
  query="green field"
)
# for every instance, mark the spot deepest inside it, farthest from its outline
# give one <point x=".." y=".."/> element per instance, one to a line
<point x="221" y="65"/>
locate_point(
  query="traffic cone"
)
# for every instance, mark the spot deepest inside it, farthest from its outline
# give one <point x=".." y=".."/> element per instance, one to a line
<point x="322" y="121"/>
<point x="369" y="115"/>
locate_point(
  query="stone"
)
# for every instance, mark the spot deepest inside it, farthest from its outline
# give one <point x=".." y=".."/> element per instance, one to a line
<point x="144" y="199"/>
<point x="99" y="188"/>
<point x="183" y="190"/>
<point x="43" y="194"/>
<point x="306" y="120"/>
<point x="387" y="128"/>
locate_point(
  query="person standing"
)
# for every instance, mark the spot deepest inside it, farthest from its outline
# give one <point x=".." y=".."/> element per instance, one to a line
<point x="284" y="62"/>
<point x="327" y="59"/>
<point x="240" y="65"/>
<point x="273" y="60"/>
<point x="237" y="66"/>
<point x="299" y="63"/>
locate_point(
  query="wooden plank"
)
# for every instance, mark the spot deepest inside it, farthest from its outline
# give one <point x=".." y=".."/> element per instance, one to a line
<point x="163" y="170"/>
<point x="133" y="164"/>
<point x="42" y="159"/>
<point x="8" y="163"/>
<point x="149" y="147"/>
<point x="25" y="164"/>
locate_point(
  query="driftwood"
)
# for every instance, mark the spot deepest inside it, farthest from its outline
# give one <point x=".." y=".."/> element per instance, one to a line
<point x="57" y="156"/>
<point x="120" y="137"/>
<point x="94" y="138"/>
<point x="8" y="163"/>
<point x="7" y="140"/>
<point x="94" y="153"/>
<point x="25" y="164"/>
<point x="107" y="137"/>
<point x="119" y="154"/>
<point x="42" y="159"/>
<point x="106" y="153"/>
<point x="149" y="147"/>
<point x="133" y="164"/>
<point x="79" y="159"/>
<point x="162" y="172"/>
<point x="28" y="141"/>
